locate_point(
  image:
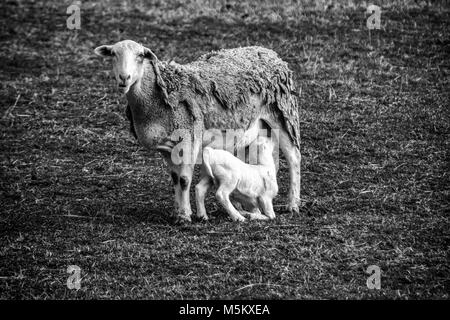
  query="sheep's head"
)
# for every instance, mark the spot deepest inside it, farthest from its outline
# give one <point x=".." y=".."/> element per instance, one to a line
<point x="128" y="57"/>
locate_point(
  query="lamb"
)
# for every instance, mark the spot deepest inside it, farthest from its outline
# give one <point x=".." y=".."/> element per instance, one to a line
<point x="253" y="186"/>
<point x="244" y="89"/>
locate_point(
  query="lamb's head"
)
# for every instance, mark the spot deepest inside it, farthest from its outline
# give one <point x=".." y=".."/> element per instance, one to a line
<point x="128" y="59"/>
<point x="265" y="149"/>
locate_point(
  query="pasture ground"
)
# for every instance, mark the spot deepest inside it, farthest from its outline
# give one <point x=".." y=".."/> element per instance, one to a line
<point x="76" y="189"/>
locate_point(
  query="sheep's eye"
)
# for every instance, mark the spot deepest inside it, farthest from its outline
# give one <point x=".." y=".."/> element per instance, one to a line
<point x="141" y="55"/>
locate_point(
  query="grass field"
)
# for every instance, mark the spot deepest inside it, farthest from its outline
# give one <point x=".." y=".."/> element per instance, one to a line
<point x="76" y="189"/>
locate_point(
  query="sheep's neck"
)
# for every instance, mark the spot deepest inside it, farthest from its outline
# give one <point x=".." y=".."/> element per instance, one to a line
<point x="143" y="96"/>
<point x="146" y="105"/>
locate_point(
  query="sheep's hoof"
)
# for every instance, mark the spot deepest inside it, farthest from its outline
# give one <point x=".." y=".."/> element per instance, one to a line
<point x="182" y="219"/>
<point x="201" y="218"/>
<point x="293" y="209"/>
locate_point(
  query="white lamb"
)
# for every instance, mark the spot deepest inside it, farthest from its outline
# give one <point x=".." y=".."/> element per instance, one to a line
<point x="252" y="186"/>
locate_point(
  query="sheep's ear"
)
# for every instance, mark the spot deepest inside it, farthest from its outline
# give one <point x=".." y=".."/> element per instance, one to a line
<point x="164" y="149"/>
<point x="149" y="54"/>
<point x="104" y="51"/>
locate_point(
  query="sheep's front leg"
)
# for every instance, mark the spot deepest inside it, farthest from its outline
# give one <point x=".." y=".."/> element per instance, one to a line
<point x="200" y="192"/>
<point x="182" y="184"/>
<point x="186" y="171"/>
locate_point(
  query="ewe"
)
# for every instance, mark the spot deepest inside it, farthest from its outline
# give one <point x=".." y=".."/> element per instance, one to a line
<point x="243" y="88"/>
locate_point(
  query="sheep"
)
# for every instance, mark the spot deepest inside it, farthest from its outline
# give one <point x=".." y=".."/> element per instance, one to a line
<point x="244" y="88"/>
<point x="253" y="186"/>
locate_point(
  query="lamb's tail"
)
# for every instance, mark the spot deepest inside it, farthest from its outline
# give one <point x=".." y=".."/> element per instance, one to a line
<point x="207" y="162"/>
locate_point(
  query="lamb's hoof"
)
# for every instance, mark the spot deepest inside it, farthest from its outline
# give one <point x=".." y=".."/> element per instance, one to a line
<point x="256" y="216"/>
<point x="182" y="220"/>
<point x="239" y="219"/>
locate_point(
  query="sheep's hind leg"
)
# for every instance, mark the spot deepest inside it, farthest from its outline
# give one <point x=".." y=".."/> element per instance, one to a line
<point x="293" y="157"/>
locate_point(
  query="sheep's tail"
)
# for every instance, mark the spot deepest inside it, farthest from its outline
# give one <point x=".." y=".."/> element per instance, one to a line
<point x="207" y="162"/>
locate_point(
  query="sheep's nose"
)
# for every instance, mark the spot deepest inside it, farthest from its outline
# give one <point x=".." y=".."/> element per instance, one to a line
<point x="124" y="78"/>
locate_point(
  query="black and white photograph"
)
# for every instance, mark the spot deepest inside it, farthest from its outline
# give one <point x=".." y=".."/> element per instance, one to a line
<point x="227" y="150"/>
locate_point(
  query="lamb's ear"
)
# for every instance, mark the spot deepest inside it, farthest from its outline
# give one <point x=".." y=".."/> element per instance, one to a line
<point x="149" y="54"/>
<point x="104" y="51"/>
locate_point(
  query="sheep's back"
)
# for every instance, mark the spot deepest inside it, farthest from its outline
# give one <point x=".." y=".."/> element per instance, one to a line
<point x="231" y="76"/>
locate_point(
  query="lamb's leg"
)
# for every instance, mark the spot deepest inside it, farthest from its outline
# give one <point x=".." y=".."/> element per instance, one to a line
<point x="200" y="192"/>
<point x="255" y="215"/>
<point x="251" y="211"/>
<point x="293" y="157"/>
<point x="266" y="206"/>
<point x="223" y="196"/>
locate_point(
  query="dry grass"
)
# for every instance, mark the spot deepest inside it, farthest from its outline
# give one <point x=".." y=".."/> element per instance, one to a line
<point x="75" y="187"/>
